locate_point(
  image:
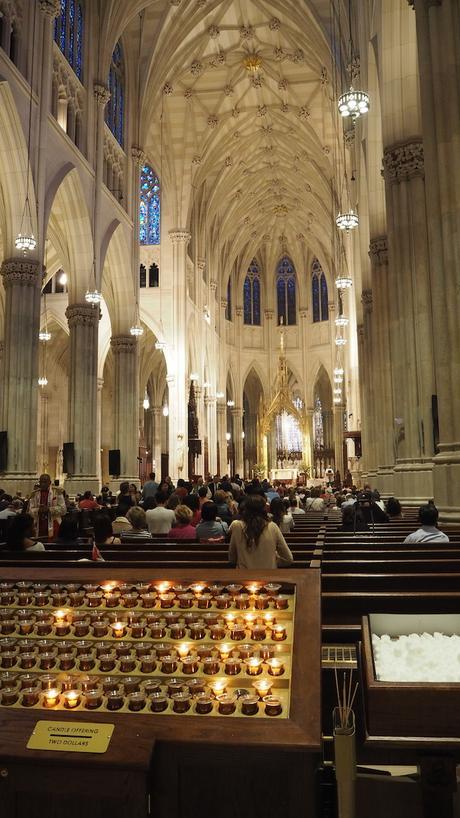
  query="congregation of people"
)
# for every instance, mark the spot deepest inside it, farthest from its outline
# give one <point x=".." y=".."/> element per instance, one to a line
<point x="253" y="517"/>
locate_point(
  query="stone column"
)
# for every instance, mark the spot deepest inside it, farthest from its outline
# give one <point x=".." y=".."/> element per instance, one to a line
<point x="384" y="415"/>
<point x="339" y="409"/>
<point x="439" y="64"/>
<point x="237" y="423"/>
<point x="126" y="397"/>
<point x="365" y="397"/>
<point x="101" y="96"/>
<point x="21" y="280"/>
<point x="369" y="374"/>
<point x="178" y="396"/>
<point x="83" y="322"/>
<point x="43" y="459"/>
<point x="210" y="404"/>
<point x="411" y="329"/>
<point x="157" y="413"/>
<point x="49" y="9"/>
<point x="100" y="386"/>
<point x="221" y="411"/>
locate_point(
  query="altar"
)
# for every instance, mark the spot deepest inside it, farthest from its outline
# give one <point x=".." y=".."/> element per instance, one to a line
<point x="284" y="474"/>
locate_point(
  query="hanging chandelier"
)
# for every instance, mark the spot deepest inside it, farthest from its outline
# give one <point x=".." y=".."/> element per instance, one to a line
<point x="160" y="345"/>
<point x="25" y="241"/>
<point x="347" y="221"/>
<point x="338" y="378"/>
<point x="341" y="321"/>
<point x="44" y="335"/>
<point x="338" y="400"/>
<point x="136" y="330"/>
<point x="43" y="381"/>
<point x="343" y="282"/>
<point x="337" y="391"/>
<point x="353" y="103"/>
<point x="146" y="402"/>
<point x="220" y="395"/>
<point x="340" y="342"/>
<point x="93" y="297"/>
<point x="338" y="370"/>
<point x="165" y="410"/>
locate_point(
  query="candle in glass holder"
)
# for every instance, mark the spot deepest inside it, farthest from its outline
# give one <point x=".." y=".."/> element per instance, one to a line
<point x="8" y="626"/>
<point x="223" y="601"/>
<point x="225" y="651"/>
<point x="138" y="630"/>
<point x="253" y="666"/>
<point x="151" y="686"/>
<point x="272" y="588"/>
<point x="127" y="664"/>
<point x="83" y="646"/>
<point x="107" y="662"/>
<point x="157" y="630"/>
<point x="162" y="587"/>
<point x="158" y="702"/>
<point x="227" y="704"/>
<point x="168" y="664"/>
<point x="111" y="599"/>
<point x="177" y="631"/>
<point x="266" y="651"/>
<point x="275" y="667"/>
<point x="190" y="665"/>
<point x="108" y="586"/>
<point x="196" y="686"/>
<point x="148" y="663"/>
<point x="48" y="660"/>
<point x="114" y="700"/>
<point x="237" y="632"/>
<point x="263" y="687"/>
<point x="86" y="661"/>
<point x="166" y="600"/>
<point x="258" y="633"/>
<point x="88" y="683"/>
<point x="204" y="601"/>
<point x="41" y="598"/>
<point x="27" y="660"/>
<point x="131" y="684"/>
<point x="232" y="666"/>
<point x="241" y="602"/>
<point x="100" y="629"/>
<point x="9" y="696"/>
<point x="94" y="599"/>
<point x="130" y="600"/>
<point x="218" y="686"/>
<point x="281" y="602"/>
<point x="142" y="648"/>
<point x="245" y="651"/>
<point x="184" y="649"/>
<point x="75" y="598"/>
<point x="24" y="680"/>
<point x="261" y="602"/>
<point x="80" y="628"/>
<point x="26" y="626"/>
<point x="44" y="627"/>
<point x="250" y="619"/>
<point x="204" y="704"/>
<point x="217" y="631"/>
<point x="279" y="633"/>
<point x="273" y="706"/>
<point x="186" y="600"/>
<point x="172" y="617"/>
<point x="44" y="645"/>
<point x="25" y="597"/>
<point x="181" y="702"/>
<point x="203" y="651"/>
<point x="67" y="661"/>
<point x="197" y="631"/>
<point x="250" y="705"/>
<point x="136" y="701"/>
<point x="110" y="684"/>
<point x="58" y="598"/>
<point x="122" y="649"/>
<point x="175" y="686"/>
<point x="93" y="699"/>
<point x="210" y="665"/>
<point x="148" y="600"/>
<point x="51" y="697"/>
<point x="163" y="649"/>
<point x="118" y="630"/>
<point x="269" y="619"/>
<point x="30" y="696"/>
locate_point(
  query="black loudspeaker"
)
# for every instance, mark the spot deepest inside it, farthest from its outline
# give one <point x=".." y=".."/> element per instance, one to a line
<point x="3" y="451"/>
<point x="68" y="456"/>
<point x="114" y="462"/>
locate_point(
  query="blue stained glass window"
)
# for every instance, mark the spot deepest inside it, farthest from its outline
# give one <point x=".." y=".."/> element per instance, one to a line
<point x="286" y="292"/>
<point x="114" y="110"/>
<point x="228" y="308"/>
<point x="150" y="207"/>
<point x="319" y="293"/>
<point x="68" y="33"/>
<point x="251" y="295"/>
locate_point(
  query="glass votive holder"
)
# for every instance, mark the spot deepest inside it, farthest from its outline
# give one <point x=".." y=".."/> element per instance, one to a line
<point x="27" y="660"/>
<point x="211" y="618"/>
<point x="44" y="627"/>
<point x="93" y="699"/>
<point x="163" y="649"/>
<point x="181" y="702"/>
<point x="48" y="681"/>
<point x="26" y="597"/>
<point x="263" y="687"/>
<point x="261" y="602"/>
<point x="83" y="646"/>
<point x="130" y="600"/>
<point x="93" y="600"/>
<point x="88" y="683"/>
<point x="225" y="651"/>
<point x="111" y="684"/>
<point x="158" y="702"/>
<point x="250" y="620"/>
<point x="148" y="663"/>
<point x="138" y="630"/>
<point x="75" y="598"/>
<point x="223" y="601"/>
<point x="281" y="602"/>
<point x="275" y="667"/>
<point x="197" y="631"/>
<point x="136" y="701"/>
<point x="163" y="587"/>
<point x="148" y="600"/>
<point x="172" y="617"/>
<point x="273" y="588"/>
<point x="269" y="619"/>
<point x="118" y="630"/>
<point x="196" y="686"/>
<point x="8" y="626"/>
<point x="241" y="602"/>
<point x="204" y="704"/>
<point x="217" y="631"/>
<point x="245" y="651"/>
<point x="80" y="628"/>
<point x="66" y="682"/>
<point x="10" y="643"/>
<point x="51" y="697"/>
<point x="26" y="626"/>
<point x="233" y="589"/>
<point x="203" y="651"/>
<point x="142" y="648"/>
<point x="24" y="680"/>
<point x="177" y="631"/>
<point x="198" y="588"/>
<point x="48" y="660"/>
<point x="157" y="630"/>
<point x="227" y="704"/>
<point x="273" y="706"/>
<point x="127" y="664"/>
<point x="100" y="629"/>
<point x="41" y="599"/>
<point x="175" y="686"/>
<point x="30" y="696"/>
<point x="115" y="700"/>
<point x="237" y="632"/>
<point x="66" y="661"/>
<point x="169" y="664"/>
<point x="107" y="662"/>
<point x="44" y="645"/>
<point x="186" y="600"/>
<point x="232" y="666"/>
<point x="250" y="705"/>
<point x="253" y="666"/>
<point x="190" y="665"/>
<point x="166" y="600"/>
<point x="219" y="686"/>
<point x="151" y="686"/>
<point x="122" y="649"/>
<point x="279" y="633"/>
<point x="58" y="598"/>
<point x="211" y="665"/>
<point x="258" y="633"/>
<point x="265" y="652"/>
<point x="86" y="662"/>
<point x="9" y="696"/>
<point x="216" y="588"/>
<point x="131" y="684"/>
<point x="204" y="601"/>
<point x="111" y="600"/>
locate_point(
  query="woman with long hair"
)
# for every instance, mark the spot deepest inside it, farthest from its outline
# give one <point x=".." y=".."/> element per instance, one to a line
<point x="280" y="515"/>
<point x="257" y="542"/>
<point x="21" y="533"/>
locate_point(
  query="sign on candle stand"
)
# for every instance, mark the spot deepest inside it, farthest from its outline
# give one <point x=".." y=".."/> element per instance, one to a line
<point x="71" y="736"/>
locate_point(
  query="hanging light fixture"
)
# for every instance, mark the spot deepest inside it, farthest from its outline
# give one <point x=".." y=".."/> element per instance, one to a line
<point x="43" y="381"/>
<point x="338" y="379"/>
<point x="228" y="436"/>
<point x="341" y="321"/>
<point x="340" y="342"/>
<point x="347" y="221"/>
<point x="220" y="395"/>
<point x="160" y="345"/>
<point x="338" y="400"/>
<point x="25" y="240"/>
<point x="230" y="403"/>
<point x="338" y="370"/>
<point x="146" y="402"/>
<point x="337" y="391"/>
<point x="353" y="103"/>
<point x="165" y="410"/>
<point x="343" y="282"/>
<point x="44" y="335"/>
<point x="63" y="279"/>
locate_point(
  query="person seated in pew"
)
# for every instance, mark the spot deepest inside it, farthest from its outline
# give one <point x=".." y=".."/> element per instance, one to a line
<point x="193" y="503"/>
<point x="88" y="503"/>
<point x="121" y="523"/>
<point x="353" y="519"/>
<point x="211" y="526"/>
<point x="139" y="531"/>
<point x="160" y="519"/>
<point x="68" y="533"/>
<point x="103" y="531"/>
<point x="393" y="509"/>
<point x="257" y="542"/>
<point x="21" y="533"/>
<point x="183" y="528"/>
<point x="279" y="513"/>
<point x="221" y="499"/>
<point x="371" y="511"/>
<point x="428" y="531"/>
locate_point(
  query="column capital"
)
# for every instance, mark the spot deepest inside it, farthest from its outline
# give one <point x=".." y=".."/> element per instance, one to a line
<point x="378" y="251"/>
<point x="100" y="384"/>
<point x="366" y="300"/>
<point x="237" y="412"/>
<point x="303" y="312"/>
<point x="156" y="411"/>
<point x="221" y="408"/>
<point x="50" y="8"/>
<point x="201" y="264"/>
<point x="20" y="271"/>
<point x="179" y="236"/>
<point x="209" y="401"/>
<point x="213" y="285"/>
<point x="224" y="303"/>
<point x="123" y="343"/>
<point x="404" y="161"/>
<point x="239" y="311"/>
<point x="138" y="155"/>
<point x="269" y="314"/>
<point x="101" y="94"/>
<point x="82" y="315"/>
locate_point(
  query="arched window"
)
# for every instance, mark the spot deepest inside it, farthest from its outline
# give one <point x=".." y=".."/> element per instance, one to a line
<point x="115" y="108"/>
<point x="68" y="33"/>
<point x="142" y="276"/>
<point x="285" y="289"/>
<point x="319" y="294"/>
<point x="154" y="275"/>
<point x="149" y="217"/>
<point x="251" y="295"/>
<point x="228" y="307"/>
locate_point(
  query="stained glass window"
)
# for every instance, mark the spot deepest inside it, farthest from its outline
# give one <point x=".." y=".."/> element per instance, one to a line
<point x="150" y="208"/>
<point x="286" y="292"/>
<point x="228" y="308"/>
<point x="251" y="295"/>
<point x="319" y="293"/>
<point x="114" y="110"/>
<point x="68" y="33"/>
